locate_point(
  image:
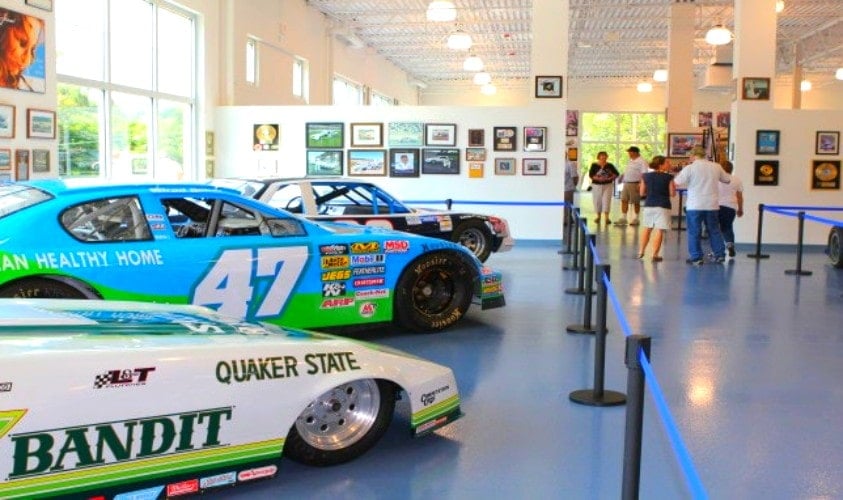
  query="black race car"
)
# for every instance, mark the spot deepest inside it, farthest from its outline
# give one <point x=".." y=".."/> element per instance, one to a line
<point x="349" y="200"/>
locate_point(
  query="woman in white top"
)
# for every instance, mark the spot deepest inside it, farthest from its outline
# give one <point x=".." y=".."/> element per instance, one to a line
<point x="731" y="205"/>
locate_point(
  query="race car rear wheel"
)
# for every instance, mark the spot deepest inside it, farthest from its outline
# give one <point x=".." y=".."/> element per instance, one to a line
<point x="476" y="236"/>
<point x="341" y="424"/>
<point x="834" y="251"/>
<point x="43" y="288"/>
<point x="434" y="291"/>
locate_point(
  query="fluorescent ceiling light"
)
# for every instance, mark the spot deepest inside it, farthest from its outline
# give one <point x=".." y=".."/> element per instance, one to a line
<point x="660" y="75"/>
<point x="805" y="86"/>
<point x="488" y="89"/>
<point x="472" y="63"/>
<point x="779" y="6"/>
<point x="482" y="78"/>
<point x="645" y="87"/>
<point x="459" y="40"/>
<point x="718" y="35"/>
<point x="839" y="74"/>
<point x="441" y="11"/>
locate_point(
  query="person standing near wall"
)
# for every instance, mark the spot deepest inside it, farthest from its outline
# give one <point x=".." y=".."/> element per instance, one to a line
<point x="631" y="178"/>
<point x="731" y="205"/>
<point x="701" y="178"/>
<point x="603" y="175"/>
<point x="657" y="188"/>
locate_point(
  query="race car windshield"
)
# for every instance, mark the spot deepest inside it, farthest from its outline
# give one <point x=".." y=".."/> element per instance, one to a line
<point x="15" y="197"/>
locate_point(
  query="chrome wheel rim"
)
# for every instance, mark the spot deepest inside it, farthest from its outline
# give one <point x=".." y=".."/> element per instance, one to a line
<point x="340" y="417"/>
<point x="473" y="239"/>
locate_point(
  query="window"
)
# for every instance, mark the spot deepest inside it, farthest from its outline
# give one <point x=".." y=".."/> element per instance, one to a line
<point x="301" y="78"/>
<point x="615" y="132"/>
<point x="347" y="92"/>
<point x="109" y="220"/>
<point x="380" y="100"/>
<point x="126" y="89"/>
<point x="252" y="61"/>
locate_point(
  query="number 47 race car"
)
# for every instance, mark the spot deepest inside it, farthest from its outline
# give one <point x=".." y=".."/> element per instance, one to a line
<point x="203" y="245"/>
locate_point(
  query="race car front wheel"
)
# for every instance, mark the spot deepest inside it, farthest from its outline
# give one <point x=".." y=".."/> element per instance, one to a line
<point x="43" y="288"/>
<point x="476" y="236"/>
<point x="341" y="424"/>
<point x="834" y="251"/>
<point x="434" y="291"/>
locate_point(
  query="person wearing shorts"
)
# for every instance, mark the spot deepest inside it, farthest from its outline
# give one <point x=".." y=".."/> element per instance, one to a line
<point x="631" y="178"/>
<point x="603" y="175"/>
<point x="656" y="188"/>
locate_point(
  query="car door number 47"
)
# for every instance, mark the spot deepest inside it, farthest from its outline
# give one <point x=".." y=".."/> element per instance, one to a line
<point x="234" y="283"/>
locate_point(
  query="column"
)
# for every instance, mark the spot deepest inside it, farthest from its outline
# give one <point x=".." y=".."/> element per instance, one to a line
<point x="680" y="67"/>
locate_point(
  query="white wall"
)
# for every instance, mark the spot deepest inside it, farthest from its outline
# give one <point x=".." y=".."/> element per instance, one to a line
<point x="235" y="156"/>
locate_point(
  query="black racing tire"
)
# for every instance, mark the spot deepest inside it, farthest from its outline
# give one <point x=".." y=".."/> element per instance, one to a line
<point x="42" y="288"/>
<point x="835" y="254"/>
<point x="476" y="236"/>
<point x="341" y="424"/>
<point x="434" y="291"/>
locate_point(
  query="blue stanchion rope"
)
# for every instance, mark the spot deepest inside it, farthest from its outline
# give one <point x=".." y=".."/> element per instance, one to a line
<point x="789" y="213"/>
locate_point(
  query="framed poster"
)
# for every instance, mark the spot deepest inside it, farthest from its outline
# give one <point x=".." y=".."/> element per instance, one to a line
<point x="767" y="142"/>
<point x="504" y="166"/>
<point x="265" y="137"/>
<point x="766" y="173"/>
<point x="705" y="119"/>
<point x="364" y="162"/>
<point x="825" y="174"/>
<point x="366" y="135"/>
<point x="505" y="138"/>
<point x="756" y="89"/>
<point x="22" y="171"/>
<point x="5" y="159"/>
<point x="209" y="168"/>
<point x="324" y="135"/>
<point x="40" y="160"/>
<point x="7" y="121"/>
<point x="724" y="119"/>
<point x="476" y="137"/>
<point x="41" y="4"/>
<point x="573" y="154"/>
<point x="475" y="154"/>
<point x="24" y="51"/>
<point x="677" y="164"/>
<point x="209" y="143"/>
<point x="680" y="145"/>
<point x="404" y="162"/>
<point x="475" y="170"/>
<point x="534" y="166"/>
<point x="548" y="86"/>
<point x="404" y="134"/>
<point x="534" y="138"/>
<point x="40" y="124"/>
<point x="324" y="162"/>
<point x="572" y="123"/>
<point x="440" y="161"/>
<point x="828" y="143"/>
<point x="440" y="134"/>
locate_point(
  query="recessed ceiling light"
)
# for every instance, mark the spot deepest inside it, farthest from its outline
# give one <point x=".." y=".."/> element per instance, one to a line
<point x="472" y="63"/>
<point x="644" y="87"/>
<point x="660" y="75"/>
<point x="805" y="86"/>
<point x="718" y="35"/>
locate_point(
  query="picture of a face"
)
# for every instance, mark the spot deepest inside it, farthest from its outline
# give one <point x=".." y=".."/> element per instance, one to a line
<point x="20" y="38"/>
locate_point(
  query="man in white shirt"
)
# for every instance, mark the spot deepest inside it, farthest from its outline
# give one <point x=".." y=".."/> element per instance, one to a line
<point x="702" y="179"/>
<point x="635" y="169"/>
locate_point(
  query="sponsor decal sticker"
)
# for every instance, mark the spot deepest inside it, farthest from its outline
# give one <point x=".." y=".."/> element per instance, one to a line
<point x="5" y="387"/>
<point x="335" y="249"/>
<point x="445" y="223"/>
<point x="144" y="494"/>
<point x="9" y="419"/>
<point x="413" y="220"/>
<point x="365" y="247"/>
<point x="334" y="261"/>
<point x="396" y="246"/>
<point x="377" y="293"/>
<point x="257" y="473"/>
<point x="368" y="271"/>
<point x="333" y="289"/>
<point x="158" y="226"/>
<point x="244" y="370"/>
<point x="367" y="309"/>
<point x="183" y="488"/>
<point x="128" y="377"/>
<point x="339" y="275"/>
<point x="428" y="398"/>
<point x="218" y="480"/>
<point x="368" y="259"/>
<point x="431" y="424"/>
<point x="364" y="282"/>
<point x="335" y="303"/>
<point x="152" y="217"/>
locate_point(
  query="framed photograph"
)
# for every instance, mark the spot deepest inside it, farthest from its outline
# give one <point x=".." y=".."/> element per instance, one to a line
<point x="405" y="134"/>
<point x="724" y="119"/>
<point x="766" y="173"/>
<point x="476" y="137"/>
<point x="41" y="4"/>
<point x="475" y="170"/>
<point x="767" y="142"/>
<point x="504" y="166"/>
<point x="266" y="136"/>
<point x="825" y="174"/>
<point x="680" y="145"/>
<point x="40" y="160"/>
<point x="324" y="162"/>
<point x="40" y="124"/>
<point x="475" y="154"/>
<point x="534" y="166"/>
<point x="209" y="168"/>
<point x="549" y="86"/>
<point x="505" y="139"/>
<point x="23" y="51"/>
<point x="677" y="164"/>
<point x="573" y="154"/>
<point x="756" y="89"/>
<point x="705" y="119"/>
<point x="209" y="143"/>
<point x="365" y="162"/>
<point x="139" y="166"/>
<point x="534" y="138"/>
<point x="366" y="135"/>
<point x="5" y="159"/>
<point x="440" y="161"/>
<point x="572" y="123"/>
<point x="828" y="143"/>
<point x="7" y="121"/>
<point x="440" y="134"/>
<point x="404" y="162"/>
<point x="324" y="135"/>
<point x="21" y="158"/>
<point x="22" y="171"/>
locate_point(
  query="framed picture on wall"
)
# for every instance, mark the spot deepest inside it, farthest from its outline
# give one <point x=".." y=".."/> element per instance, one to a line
<point x="5" y="159"/>
<point x="365" y="162"/>
<point x="766" y="173"/>
<point x="825" y="174"/>
<point x="475" y="170"/>
<point x="404" y="134"/>
<point x="534" y="166"/>
<point x="756" y="89"/>
<point x="680" y="145"/>
<point x="7" y="121"/>
<point x="548" y="86"/>
<point x="404" y="162"/>
<point x="40" y="160"/>
<point x="440" y="161"/>
<point x="476" y="137"/>
<point x="767" y="142"/>
<point x="534" y="138"/>
<point x="324" y="162"/>
<point x="475" y="154"/>
<point x="506" y="138"/>
<point x="572" y="123"/>
<point x="266" y="136"/>
<point x="324" y="135"/>
<point x="828" y="143"/>
<point x="440" y="134"/>
<point x="504" y="166"/>
<point x="366" y="135"/>
<point x="40" y="124"/>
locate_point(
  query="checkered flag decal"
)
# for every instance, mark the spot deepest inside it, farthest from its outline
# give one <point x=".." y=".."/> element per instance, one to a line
<point x="101" y="381"/>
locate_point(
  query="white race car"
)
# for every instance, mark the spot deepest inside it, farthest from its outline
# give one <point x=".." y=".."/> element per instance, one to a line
<point x="125" y="400"/>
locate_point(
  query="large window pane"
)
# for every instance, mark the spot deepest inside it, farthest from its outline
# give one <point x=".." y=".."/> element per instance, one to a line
<point x="131" y="119"/>
<point x="79" y="118"/>
<point x="80" y="34"/>
<point x="131" y="43"/>
<point x="174" y="133"/>
<point x="175" y="53"/>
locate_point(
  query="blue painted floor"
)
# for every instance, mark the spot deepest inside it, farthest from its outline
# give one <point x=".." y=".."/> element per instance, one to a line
<point x="750" y="361"/>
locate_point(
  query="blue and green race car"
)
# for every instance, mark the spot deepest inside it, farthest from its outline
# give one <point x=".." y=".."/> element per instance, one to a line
<point x="198" y="244"/>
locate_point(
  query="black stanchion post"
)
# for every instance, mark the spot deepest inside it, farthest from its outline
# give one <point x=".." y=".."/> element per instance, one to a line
<point x="760" y="226"/>
<point x="449" y="203"/>
<point x="799" y="241"/>
<point x="679" y="219"/>
<point x="567" y="229"/>
<point x="575" y="253"/>
<point x="598" y="396"/>
<point x="586" y="327"/>
<point x="634" y="415"/>
<point x="583" y="252"/>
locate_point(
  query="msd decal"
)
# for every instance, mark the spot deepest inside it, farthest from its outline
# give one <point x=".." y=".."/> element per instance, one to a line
<point x="396" y="246"/>
<point x="123" y="378"/>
